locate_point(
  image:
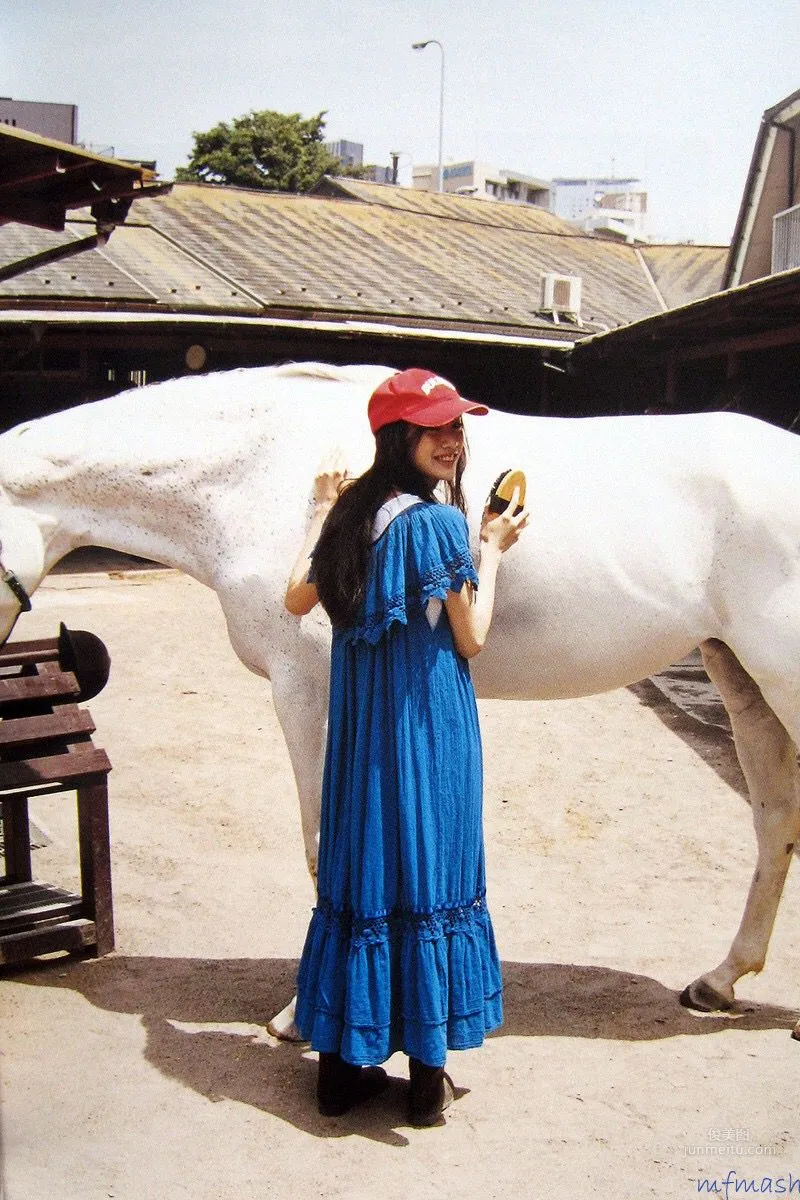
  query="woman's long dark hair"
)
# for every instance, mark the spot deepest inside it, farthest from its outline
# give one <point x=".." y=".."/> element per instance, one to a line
<point x="341" y="558"/>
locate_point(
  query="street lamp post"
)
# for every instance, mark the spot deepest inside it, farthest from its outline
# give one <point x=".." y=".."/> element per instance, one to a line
<point x="421" y="46"/>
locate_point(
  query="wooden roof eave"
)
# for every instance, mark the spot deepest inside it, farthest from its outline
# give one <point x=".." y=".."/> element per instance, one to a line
<point x="40" y="179"/>
<point x="761" y="314"/>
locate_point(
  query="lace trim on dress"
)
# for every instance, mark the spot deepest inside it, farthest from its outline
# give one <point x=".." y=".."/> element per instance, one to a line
<point x="445" y="578"/>
<point x="448" y="577"/>
<point x="373" y="626"/>
<point x="422" y="926"/>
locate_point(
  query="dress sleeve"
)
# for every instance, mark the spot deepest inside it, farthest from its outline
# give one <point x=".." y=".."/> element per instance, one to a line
<point x="423" y="555"/>
<point x="441" y="556"/>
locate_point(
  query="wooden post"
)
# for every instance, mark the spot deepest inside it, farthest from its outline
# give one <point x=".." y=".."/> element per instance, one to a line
<point x="95" y="859"/>
<point x="16" y="841"/>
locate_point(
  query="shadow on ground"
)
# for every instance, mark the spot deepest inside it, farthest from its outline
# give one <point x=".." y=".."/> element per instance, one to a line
<point x="708" y="734"/>
<point x="205" y="1024"/>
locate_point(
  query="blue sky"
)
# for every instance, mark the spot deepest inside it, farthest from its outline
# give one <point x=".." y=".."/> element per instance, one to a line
<point x="668" y="91"/>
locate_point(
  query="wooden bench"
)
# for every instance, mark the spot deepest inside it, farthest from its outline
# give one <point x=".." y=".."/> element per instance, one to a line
<point x="45" y="748"/>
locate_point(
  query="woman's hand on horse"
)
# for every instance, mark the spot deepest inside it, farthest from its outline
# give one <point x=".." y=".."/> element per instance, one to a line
<point x="331" y="474"/>
<point x="503" y="531"/>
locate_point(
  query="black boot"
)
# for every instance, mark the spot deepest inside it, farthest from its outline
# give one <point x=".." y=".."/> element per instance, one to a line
<point x="341" y="1085"/>
<point x="430" y="1093"/>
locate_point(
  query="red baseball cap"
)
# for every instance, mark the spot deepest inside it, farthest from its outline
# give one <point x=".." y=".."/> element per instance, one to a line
<point x="419" y="397"/>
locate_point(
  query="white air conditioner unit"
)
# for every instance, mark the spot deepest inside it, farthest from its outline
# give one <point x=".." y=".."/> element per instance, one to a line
<point x="561" y="294"/>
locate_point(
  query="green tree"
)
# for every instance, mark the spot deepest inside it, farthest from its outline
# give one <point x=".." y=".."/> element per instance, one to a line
<point x="281" y="152"/>
<point x="362" y="171"/>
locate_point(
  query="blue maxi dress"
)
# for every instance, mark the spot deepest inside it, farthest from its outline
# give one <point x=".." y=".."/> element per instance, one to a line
<point x="400" y="952"/>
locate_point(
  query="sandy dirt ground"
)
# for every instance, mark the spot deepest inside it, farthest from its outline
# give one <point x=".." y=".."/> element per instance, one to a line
<point x="619" y="856"/>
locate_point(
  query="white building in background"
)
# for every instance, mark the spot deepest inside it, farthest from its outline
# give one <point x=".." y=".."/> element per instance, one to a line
<point x="610" y="204"/>
<point x="474" y="178"/>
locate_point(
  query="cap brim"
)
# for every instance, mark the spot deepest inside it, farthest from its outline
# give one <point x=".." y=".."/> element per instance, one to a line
<point x="442" y="412"/>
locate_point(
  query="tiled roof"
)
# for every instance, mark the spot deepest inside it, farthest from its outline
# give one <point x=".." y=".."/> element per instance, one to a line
<point x="86" y="277"/>
<point x="685" y="273"/>
<point x="363" y="251"/>
<point x="472" y="210"/>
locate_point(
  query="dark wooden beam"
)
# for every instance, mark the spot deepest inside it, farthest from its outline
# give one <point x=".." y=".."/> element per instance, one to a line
<point x="768" y="339"/>
<point x="29" y="170"/>
<point x="41" y="212"/>
<point x="55" y="254"/>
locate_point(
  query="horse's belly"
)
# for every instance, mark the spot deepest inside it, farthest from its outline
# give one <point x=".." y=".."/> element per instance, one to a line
<point x="578" y="652"/>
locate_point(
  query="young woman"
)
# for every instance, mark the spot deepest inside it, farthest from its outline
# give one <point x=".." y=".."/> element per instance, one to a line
<point x="400" y="953"/>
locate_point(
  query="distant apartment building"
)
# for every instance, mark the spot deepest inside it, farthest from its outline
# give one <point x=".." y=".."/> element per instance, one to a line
<point x="610" y="204"/>
<point x="473" y="178"/>
<point x="56" y="121"/>
<point x="613" y="205"/>
<point x="351" y="154"/>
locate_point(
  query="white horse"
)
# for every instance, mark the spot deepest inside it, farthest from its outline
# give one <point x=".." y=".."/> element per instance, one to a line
<point x="649" y="536"/>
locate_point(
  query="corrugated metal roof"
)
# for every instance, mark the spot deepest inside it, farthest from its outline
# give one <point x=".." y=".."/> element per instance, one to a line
<point x="370" y="252"/>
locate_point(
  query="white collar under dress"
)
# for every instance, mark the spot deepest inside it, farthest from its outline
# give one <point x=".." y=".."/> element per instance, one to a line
<point x="383" y="519"/>
<point x="391" y="509"/>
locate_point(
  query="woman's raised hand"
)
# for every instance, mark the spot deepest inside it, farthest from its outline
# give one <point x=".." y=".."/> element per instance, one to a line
<point x="331" y="474"/>
<point x="301" y="596"/>
<point x="503" y="531"/>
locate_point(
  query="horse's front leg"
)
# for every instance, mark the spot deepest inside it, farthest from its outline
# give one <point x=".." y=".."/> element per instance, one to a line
<point x="300" y="694"/>
<point x="768" y="758"/>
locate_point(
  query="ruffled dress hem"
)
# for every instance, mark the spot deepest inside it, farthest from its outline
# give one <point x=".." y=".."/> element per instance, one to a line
<point x="420" y="983"/>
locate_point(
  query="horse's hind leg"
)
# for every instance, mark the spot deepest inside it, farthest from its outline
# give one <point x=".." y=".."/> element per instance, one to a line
<point x="300" y="695"/>
<point x="769" y="762"/>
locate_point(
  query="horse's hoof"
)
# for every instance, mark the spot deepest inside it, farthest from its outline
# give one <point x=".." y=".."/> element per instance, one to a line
<point x="282" y="1026"/>
<point x="704" y="998"/>
<point x="290" y="1034"/>
<point x="796" y="1032"/>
